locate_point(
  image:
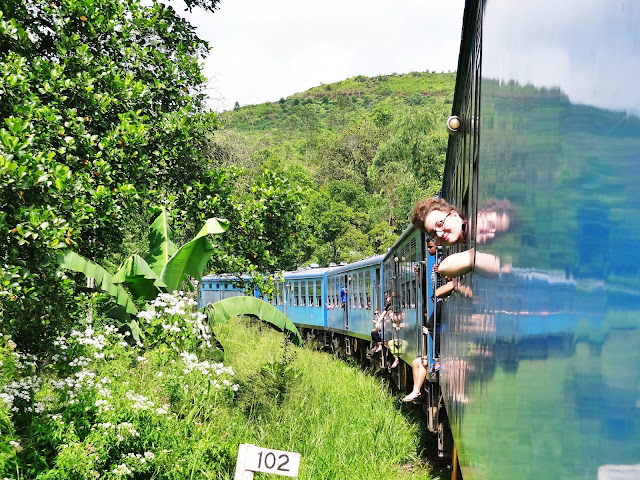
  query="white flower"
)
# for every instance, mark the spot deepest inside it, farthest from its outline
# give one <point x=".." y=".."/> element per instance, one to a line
<point x="122" y="469"/>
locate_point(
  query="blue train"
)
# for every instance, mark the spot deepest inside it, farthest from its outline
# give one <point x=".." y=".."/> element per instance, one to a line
<point x="341" y="300"/>
<point x="540" y="361"/>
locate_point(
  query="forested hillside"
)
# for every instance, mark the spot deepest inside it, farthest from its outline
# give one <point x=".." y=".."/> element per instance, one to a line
<point x="360" y="151"/>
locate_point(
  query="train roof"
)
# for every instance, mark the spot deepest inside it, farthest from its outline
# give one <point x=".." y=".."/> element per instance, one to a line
<point x="366" y="262"/>
<point x="308" y="273"/>
<point x="403" y="236"/>
<point x="319" y="272"/>
<point x="223" y="277"/>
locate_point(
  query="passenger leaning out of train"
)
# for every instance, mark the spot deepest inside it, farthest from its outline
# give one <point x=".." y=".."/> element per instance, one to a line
<point x="344" y="297"/>
<point x="444" y="223"/>
<point x="420" y="364"/>
<point x="376" y="333"/>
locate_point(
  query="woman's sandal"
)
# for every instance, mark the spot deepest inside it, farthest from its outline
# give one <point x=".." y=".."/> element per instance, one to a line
<point x="411" y="397"/>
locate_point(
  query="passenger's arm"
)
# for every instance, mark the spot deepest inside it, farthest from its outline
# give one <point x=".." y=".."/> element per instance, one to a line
<point x="457" y="264"/>
<point x="445" y="290"/>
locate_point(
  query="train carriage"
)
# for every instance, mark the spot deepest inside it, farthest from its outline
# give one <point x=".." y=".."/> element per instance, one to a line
<point x="302" y="297"/>
<point x="541" y="371"/>
<point x="353" y="313"/>
<point x="407" y="287"/>
<point x="213" y="288"/>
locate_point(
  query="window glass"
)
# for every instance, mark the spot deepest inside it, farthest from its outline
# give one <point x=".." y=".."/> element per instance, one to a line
<point x="367" y="288"/>
<point x="318" y="293"/>
<point x="355" y="300"/>
<point x="377" y="302"/>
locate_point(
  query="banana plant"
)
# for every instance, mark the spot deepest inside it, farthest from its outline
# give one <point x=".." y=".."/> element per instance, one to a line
<point x="223" y="310"/>
<point x="166" y="267"/>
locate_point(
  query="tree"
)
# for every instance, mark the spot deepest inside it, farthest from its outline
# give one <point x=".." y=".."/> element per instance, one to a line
<point x="417" y="141"/>
<point x="100" y="112"/>
<point x="308" y="113"/>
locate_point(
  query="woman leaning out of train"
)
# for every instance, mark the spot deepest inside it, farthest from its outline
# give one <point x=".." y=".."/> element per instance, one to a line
<point x="444" y="223"/>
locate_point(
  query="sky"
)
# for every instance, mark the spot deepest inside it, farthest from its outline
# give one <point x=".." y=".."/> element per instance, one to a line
<point x="590" y="50"/>
<point x="266" y="50"/>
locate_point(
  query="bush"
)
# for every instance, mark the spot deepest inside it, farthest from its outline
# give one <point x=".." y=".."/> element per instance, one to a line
<point x="104" y="405"/>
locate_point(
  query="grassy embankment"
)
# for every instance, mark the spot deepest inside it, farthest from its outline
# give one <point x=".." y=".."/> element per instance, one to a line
<point x="343" y="422"/>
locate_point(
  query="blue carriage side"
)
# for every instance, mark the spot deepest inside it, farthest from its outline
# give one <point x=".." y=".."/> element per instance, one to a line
<point x="213" y="288"/>
<point x="301" y="296"/>
<point x="354" y="292"/>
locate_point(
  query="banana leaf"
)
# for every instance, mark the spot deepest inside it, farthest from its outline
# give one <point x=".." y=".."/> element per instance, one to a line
<point x="191" y="258"/>
<point x="161" y="248"/>
<point x="140" y="279"/>
<point x="72" y="261"/>
<point x="118" y="313"/>
<point x="222" y="310"/>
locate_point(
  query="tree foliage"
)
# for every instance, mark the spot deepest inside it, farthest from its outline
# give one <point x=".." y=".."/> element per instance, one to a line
<point x="362" y="150"/>
<point x="102" y="116"/>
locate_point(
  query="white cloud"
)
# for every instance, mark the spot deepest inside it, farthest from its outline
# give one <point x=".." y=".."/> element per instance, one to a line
<point x="262" y="51"/>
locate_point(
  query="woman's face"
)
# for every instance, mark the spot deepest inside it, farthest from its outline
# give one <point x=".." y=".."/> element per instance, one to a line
<point x="446" y="228"/>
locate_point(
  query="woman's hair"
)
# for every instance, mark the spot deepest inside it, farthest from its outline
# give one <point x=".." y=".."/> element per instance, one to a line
<point x="426" y="206"/>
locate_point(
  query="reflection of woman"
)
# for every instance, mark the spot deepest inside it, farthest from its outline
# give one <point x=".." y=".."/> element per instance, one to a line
<point x="494" y="217"/>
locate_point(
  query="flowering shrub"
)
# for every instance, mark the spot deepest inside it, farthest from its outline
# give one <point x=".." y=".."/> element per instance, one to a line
<point x="107" y="407"/>
<point x="171" y="319"/>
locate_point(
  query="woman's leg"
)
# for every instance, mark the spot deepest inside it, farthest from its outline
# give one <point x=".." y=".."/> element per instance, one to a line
<point x="419" y="373"/>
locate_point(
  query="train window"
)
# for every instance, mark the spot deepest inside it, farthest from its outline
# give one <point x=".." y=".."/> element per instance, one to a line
<point x="303" y="293"/>
<point x="403" y="278"/>
<point x="318" y="292"/>
<point x="353" y="289"/>
<point x="367" y="288"/>
<point x="296" y="293"/>
<point x="355" y="295"/>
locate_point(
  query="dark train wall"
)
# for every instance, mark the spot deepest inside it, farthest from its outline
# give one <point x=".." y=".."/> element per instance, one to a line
<point x="542" y="369"/>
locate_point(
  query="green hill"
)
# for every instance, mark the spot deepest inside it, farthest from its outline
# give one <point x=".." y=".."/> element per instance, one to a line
<point x="360" y="152"/>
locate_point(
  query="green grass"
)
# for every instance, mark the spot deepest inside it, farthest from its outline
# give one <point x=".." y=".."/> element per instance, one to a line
<point x="343" y="422"/>
<point x="165" y="413"/>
